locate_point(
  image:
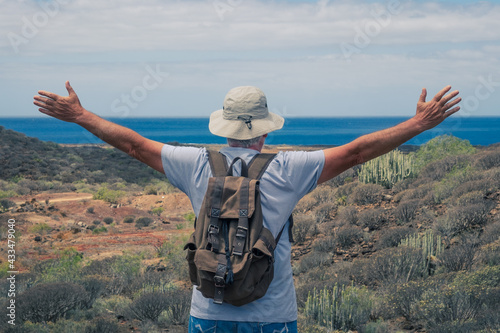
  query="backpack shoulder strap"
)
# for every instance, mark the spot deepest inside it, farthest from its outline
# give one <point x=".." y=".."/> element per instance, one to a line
<point x="218" y="163"/>
<point x="259" y="164"/>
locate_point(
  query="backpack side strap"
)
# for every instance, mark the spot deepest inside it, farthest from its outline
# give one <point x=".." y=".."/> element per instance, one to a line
<point x="218" y="163"/>
<point x="259" y="164"/>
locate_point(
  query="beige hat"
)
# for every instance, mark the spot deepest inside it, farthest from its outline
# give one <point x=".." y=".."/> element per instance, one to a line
<point x="244" y="115"/>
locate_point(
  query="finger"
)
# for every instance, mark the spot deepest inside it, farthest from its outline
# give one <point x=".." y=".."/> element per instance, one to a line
<point x="69" y="88"/>
<point x="48" y="94"/>
<point x="440" y="94"/>
<point x="423" y="95"/>
<point x="452" y="111"/>
<point x="453" y="103"/>
<point x="43" y="101"/>
<point x="449" y="97"/>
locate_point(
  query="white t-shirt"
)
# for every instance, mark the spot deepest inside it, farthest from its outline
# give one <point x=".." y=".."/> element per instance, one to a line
<point x="289" y="177"/>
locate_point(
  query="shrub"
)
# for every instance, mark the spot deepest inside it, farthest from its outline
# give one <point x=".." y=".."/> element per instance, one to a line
<point x="5" y="204"/>
<point x="65" y="268"/>
<point x="490" y="254"/>
<point x="149" y="306"/>
<point x="393" y="237"/>
<point x="108" y="220"/>
<point x="157" y="211"/>
<point x="324" y="212"/>
<point x="129" y="219"/>
<point x="439" y="147"/>
<point x="90" y="210"/>
<point x="484" y="186"/>
<point x="40" y="228"/>
<point x="372" y="218"/>
<point x="488" y="160"/>
<point x="393" y="266"/>
<point x="118" y="272"/>
<point x="94" y="287"/>
<point x="437" y="170"/>
<point x="407" y="210"/>
<point x="388" y="169"/>
<point x="306" y="204"/>
<point x="99" y="230"/>
<point x="143" y="222"/>
<point x="49" y="302"/>
<point x="312" y="260"/>
<point x="460" y="257"/>
<point x="301" y="226"/>
<point x="348" y="235"/>
<point x="323" y="194"/>
<point x="178" y="309"/>
<point x="111" y="196"/>
<point x="325" y="244"/>
<point x="347" y="215"/>
<point x="365" y="194"/>
<point x="470" y="198"/>
<point x="101" y="325"/>
<point x="462" y="218"/>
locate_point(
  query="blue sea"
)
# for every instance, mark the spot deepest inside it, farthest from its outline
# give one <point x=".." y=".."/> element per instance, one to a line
<point x="296" y="131"/>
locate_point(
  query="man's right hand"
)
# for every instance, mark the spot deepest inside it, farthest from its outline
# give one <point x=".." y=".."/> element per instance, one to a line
<point x="66" y="108"/>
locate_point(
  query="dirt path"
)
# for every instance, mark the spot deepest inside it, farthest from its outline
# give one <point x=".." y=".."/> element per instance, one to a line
<point x="54" y="197"/>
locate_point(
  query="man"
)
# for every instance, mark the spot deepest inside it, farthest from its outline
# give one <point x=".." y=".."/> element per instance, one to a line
<point x="245" y="121"/>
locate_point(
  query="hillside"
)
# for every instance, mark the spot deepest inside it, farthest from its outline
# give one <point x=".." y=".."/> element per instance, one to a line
<point x="408" y="243"/>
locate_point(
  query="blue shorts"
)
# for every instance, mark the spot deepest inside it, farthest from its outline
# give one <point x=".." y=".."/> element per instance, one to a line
<point x="219" y="326"/>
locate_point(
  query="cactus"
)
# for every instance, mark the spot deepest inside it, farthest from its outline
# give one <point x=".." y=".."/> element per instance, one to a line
<point x="429" y="243"/>
<point x="387" y="169"/>
<point x="343" y="308"/>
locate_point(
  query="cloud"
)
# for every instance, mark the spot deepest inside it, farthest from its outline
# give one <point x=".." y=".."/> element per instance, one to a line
<point x="309" y="55"/>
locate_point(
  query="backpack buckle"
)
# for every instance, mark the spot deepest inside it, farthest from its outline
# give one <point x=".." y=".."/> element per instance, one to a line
<point x="220" y="282"/>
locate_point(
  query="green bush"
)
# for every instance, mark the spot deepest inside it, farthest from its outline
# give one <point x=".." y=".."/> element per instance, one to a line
<point x="65" y="268"/>
<point x="157" y="211"/>
<point x="439" y="147"/>
<point x="99" y="230"/>
<point x="111" y="196"/>
<point x="129" y="219"/>
<point x="108" y="220"/>
<point x="143" y="222"/>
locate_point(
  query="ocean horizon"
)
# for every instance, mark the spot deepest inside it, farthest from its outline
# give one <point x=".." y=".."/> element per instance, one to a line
<point x="296" y="131"/>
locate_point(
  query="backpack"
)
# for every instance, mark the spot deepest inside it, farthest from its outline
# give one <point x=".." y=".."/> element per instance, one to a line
<point x="231" y="254"/>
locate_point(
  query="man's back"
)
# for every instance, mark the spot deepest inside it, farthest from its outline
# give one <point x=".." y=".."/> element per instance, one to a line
<point x="290" y="176"/>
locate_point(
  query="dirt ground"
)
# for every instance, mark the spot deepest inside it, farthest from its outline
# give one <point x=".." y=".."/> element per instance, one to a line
<point x="71" y="216"/>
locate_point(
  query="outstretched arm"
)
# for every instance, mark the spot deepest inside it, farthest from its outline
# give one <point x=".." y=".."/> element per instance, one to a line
<point x="68" y="108"/>
<point x="429" y="114"/>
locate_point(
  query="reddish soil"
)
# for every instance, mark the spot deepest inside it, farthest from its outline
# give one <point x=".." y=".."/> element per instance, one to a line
<point x="71" y="216"/>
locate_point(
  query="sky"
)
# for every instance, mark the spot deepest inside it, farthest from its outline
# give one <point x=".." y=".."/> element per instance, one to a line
<point x="322" y="58"/>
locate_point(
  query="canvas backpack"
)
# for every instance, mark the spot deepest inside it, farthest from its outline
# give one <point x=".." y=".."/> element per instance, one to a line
<point x="231" y="253"/>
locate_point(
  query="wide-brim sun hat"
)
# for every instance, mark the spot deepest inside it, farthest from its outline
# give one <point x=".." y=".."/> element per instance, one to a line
<point x="244" y="115"/>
